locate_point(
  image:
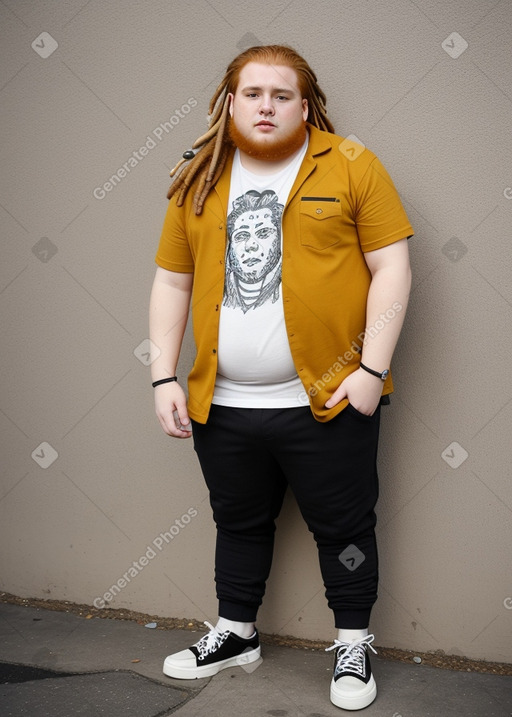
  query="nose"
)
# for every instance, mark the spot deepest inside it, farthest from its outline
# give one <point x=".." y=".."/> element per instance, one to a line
<point x="266" y="107"/>
<point x="251" y="244"/>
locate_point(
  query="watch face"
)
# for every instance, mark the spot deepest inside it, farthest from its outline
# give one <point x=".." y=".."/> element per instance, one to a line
<point x="384" y="374"/>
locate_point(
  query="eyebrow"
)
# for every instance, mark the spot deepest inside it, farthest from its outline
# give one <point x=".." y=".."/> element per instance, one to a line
<point x="274" y="89"/>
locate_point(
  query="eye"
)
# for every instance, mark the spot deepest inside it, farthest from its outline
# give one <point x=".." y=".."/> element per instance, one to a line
<point x="241" y="236"/>
<point x="265" y="232"/>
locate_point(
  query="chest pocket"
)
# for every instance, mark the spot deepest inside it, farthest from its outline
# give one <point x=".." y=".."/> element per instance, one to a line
<point x="320" y="222"/>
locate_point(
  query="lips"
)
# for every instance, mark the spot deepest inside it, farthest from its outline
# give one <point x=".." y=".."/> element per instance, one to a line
<point x="264" y="123"/>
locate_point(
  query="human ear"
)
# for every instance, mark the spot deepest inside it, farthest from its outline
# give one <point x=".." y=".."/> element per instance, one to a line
<point x="305" y="109"/>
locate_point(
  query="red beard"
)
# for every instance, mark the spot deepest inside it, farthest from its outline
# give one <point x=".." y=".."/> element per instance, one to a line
<point x="270" y="152"/>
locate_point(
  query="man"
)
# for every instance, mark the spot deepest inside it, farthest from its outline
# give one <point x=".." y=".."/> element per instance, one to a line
<point x="293" y="253"/>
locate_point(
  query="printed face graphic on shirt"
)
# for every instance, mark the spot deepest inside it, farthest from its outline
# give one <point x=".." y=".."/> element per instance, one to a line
<point x="254" y="245"/>
<point x="254" y="250"/>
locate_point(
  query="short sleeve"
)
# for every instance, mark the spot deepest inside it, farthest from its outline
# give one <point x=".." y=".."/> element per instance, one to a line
<point x="173" y="250"/>
<point x="380" y="216"/>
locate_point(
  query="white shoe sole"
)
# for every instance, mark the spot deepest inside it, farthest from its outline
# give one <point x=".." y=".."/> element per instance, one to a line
<point x="357" y="701"/>
<point x="173" y="669"/>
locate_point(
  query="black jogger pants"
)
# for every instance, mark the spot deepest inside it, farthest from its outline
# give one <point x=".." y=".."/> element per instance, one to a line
<point x="248" y="457"/>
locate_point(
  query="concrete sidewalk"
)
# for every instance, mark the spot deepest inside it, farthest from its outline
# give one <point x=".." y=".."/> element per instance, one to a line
<point x="112" y="667"/>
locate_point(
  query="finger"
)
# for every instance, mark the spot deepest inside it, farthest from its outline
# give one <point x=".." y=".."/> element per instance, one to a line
<point x="169" y="423"/>
<point x="182" y="434"/>
<point x="336" y="397"/>
<point x="171" y="428"/>
<point x="181" y="418"/>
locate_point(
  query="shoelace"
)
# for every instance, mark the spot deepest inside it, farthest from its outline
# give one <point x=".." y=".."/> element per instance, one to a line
<point x="353" y="656"/>
<point x="210" y="642"/>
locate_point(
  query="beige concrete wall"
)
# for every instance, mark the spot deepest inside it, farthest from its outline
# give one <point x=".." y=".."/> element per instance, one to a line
<point x="77" y="103"/>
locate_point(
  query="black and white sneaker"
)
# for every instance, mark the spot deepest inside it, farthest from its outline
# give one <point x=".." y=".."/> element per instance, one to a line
<point x="352" y="685"/>
<point x="214" y="652"/>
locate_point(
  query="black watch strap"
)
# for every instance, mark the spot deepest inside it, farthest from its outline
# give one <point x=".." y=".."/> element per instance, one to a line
<point x="383" y="376"/>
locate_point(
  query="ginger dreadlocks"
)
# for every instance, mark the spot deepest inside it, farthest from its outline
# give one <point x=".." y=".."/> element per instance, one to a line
<point x="207" y="164"/>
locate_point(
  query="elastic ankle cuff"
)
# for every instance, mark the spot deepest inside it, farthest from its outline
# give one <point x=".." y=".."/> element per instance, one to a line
<point x="352" y="619"/>
<point x="236" y="612"/>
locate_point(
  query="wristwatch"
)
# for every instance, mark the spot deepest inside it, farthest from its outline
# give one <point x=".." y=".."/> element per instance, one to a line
<point x="383" y="376"/>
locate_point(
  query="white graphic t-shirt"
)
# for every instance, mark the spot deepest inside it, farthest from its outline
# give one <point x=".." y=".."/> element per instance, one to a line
<point x="255" y="366"/>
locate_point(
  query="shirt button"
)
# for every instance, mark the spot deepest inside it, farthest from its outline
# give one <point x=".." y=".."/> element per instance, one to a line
<point x="319" y="211"/>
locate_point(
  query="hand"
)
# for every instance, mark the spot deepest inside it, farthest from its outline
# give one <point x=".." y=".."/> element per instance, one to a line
<point x="363" y="391"/>
<point x="171" y="409"/>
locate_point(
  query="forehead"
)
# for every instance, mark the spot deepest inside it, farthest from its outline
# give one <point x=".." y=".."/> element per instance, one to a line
<point x="256" y="74"/>
<point x="251" y="217"/>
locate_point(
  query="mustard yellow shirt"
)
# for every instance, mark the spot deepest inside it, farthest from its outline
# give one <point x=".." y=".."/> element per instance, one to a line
<point x="342" y="204"/>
